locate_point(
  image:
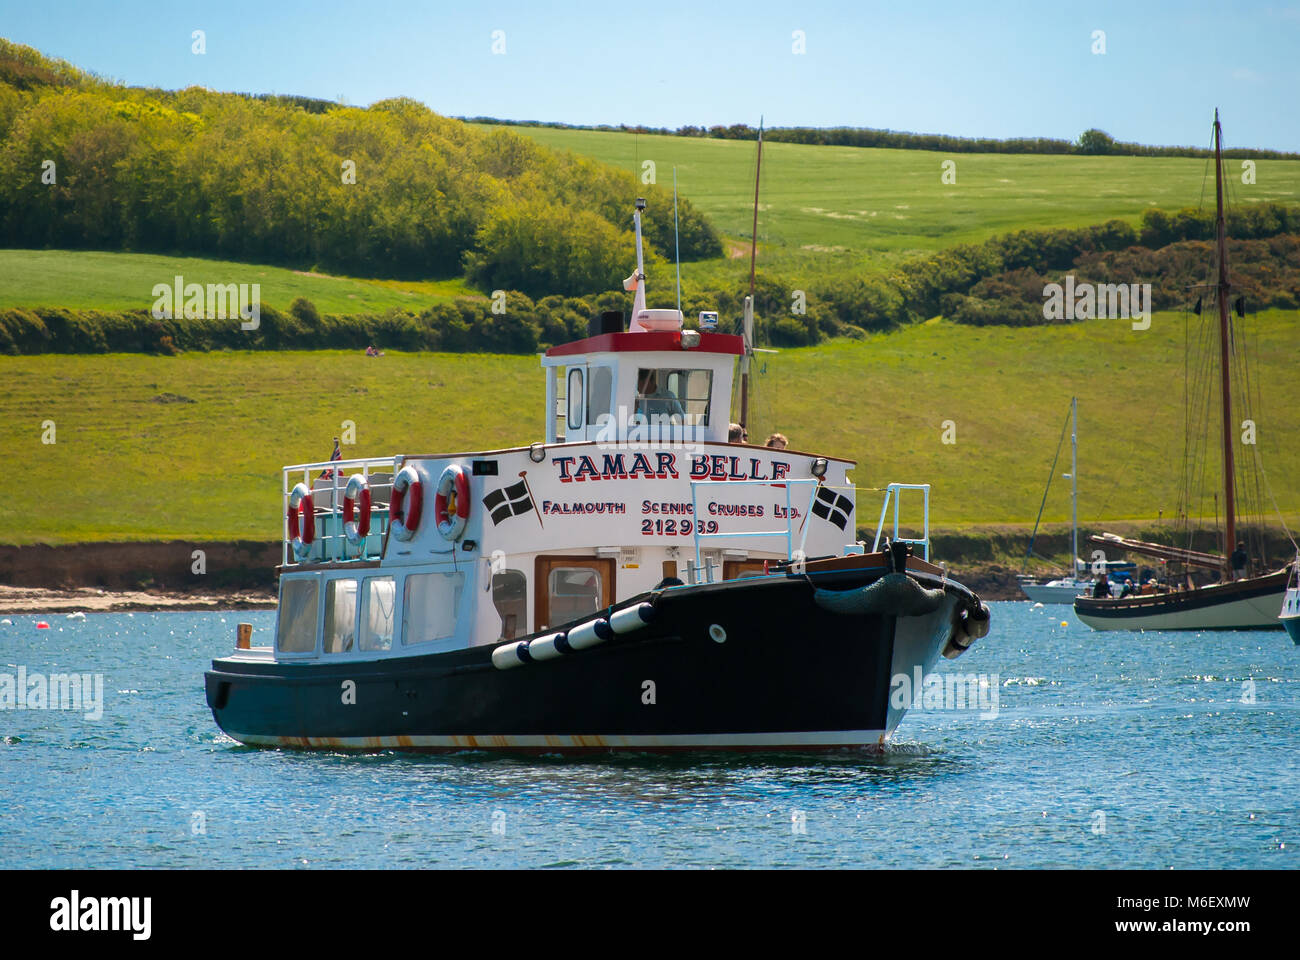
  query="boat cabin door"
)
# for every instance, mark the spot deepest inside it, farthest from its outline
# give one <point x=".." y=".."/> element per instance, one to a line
<point x="569" y="588"/>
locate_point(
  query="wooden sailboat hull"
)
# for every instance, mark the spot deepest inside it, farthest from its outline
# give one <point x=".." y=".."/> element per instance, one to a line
<point x="1242" y="605"/>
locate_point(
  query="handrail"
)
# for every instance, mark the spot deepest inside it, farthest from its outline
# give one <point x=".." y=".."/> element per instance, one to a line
<point x="333" y="545"/>
<point x="891" y="491"/>
<point x="787" y="533"/>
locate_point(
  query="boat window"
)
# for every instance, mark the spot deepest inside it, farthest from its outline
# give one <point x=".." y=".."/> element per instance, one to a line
<point x="340" y="616"/>
<point x="296" y="631"/>
<point x="574" y="592"/>
<point x="429" y="606"/>
<point x="575" y="399"/>
<point x="600" y="389"/>
<point x="670" y="392"/>
<point x="377" y="614"/>
<point x="510" y="597"/>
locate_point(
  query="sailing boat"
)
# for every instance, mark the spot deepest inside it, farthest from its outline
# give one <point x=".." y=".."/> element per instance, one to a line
<point x="1235" y="602"/>
<point x="1065" y="589"/>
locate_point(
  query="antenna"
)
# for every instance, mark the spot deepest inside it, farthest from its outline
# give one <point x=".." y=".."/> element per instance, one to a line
<point x="677" y="244"/>
<point x="636" y="219"/>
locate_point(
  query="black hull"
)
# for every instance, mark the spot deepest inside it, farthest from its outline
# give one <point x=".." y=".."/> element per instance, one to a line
<point x="788" y="675"/>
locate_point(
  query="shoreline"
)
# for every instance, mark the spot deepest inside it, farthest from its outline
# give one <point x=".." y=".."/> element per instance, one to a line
<point x="44" y="600"/>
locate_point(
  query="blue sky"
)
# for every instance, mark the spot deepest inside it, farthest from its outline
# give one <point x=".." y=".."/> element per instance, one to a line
<point x="997" y="69"/>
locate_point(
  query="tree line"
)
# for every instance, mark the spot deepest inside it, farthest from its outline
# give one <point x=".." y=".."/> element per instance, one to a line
<point x="1091" y="142"/>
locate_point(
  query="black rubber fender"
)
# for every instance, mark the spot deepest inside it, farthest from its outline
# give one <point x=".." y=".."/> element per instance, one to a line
<point x="894" y="594"/>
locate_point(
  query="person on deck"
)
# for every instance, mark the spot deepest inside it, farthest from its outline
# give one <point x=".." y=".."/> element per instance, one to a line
<point x="777" y="441"/>
<point x="1102" y="587"/>
<point x="1239" y="560"/>
<point x="737" y="434"/>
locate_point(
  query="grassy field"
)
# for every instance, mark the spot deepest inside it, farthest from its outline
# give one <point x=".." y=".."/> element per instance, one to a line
<point x="127" y="465"/>
<point x="119" y="281"/>
<point x="826" y="208"/>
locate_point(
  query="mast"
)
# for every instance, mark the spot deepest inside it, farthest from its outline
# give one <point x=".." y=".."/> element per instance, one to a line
<point x="1224" y="286"/>
<point x="1074" y="487"/>
<point x="748" y="328"/>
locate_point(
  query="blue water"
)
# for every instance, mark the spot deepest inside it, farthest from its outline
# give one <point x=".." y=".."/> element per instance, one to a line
<point x="1108" y="750"/>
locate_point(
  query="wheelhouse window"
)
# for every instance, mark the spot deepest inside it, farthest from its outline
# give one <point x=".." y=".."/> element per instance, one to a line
<point x="600" y="390"/>
<point x="574" y="592"/>
<point x="575" y="399"/>
<point x="510" y="597"/>
<point x="670" y="392"/>
<point x="429" y="606"/>
<point x="296" y="629"/>
<point x="378" y="599"/>
<point x="340" y="616"/>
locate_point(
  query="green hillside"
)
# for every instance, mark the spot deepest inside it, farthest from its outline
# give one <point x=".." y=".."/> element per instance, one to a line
<point x="825" y="209"/>
<point x="100" y="280"/>
<point x="162" y="467"/>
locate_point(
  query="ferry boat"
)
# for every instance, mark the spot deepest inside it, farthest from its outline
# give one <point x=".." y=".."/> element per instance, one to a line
<point x="633" y="581"/>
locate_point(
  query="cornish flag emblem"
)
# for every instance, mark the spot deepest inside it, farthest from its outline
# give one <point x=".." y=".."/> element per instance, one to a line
<point x="831" y="506"/>
<point x="507" y="502"/>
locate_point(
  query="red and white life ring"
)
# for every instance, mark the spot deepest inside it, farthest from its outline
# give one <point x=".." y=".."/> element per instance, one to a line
<point x="406" y="503"/>
<point x="356" y="510"/>
<point x="451" y="505"/>
<point x="301" y="505"/>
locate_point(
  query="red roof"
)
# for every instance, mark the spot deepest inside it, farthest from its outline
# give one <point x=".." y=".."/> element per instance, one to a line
<point x="642" y="342"/>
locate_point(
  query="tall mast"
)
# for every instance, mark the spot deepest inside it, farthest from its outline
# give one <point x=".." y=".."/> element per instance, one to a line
<point x="1221" y="243"/>
<point x="748" y="328"/>
<point x="1074" y="487"/>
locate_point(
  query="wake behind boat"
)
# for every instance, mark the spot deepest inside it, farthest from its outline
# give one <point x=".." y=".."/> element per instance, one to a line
<point x="635" y="581"/>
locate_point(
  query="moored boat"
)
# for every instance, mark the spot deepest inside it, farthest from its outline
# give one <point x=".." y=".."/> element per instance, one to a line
<point x="634" y="581"/>
<point x="1245" y="593"/>
<point x="1290" y="615"/>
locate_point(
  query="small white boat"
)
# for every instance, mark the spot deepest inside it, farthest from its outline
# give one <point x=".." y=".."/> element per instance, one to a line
<point x="1063" y="590"/>
<point x="1290" y="615"/>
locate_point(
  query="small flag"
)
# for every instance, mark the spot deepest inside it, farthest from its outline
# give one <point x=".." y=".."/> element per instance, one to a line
<point x="507" y="502"/>
<point x="336" y="455"/>
<point x="831" y="506"/>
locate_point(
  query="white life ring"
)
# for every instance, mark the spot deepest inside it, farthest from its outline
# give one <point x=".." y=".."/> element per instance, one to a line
<point x="403" y="509"/>
<point x="356" y="510"/>
<point x="451" y="504"/>
<point x="301" y="505"/>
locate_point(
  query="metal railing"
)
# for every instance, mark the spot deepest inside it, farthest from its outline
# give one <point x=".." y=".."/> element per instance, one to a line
<point x="787" y="533"/>
<point x="331" y="543"/>
<point x="891" y="493"/>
